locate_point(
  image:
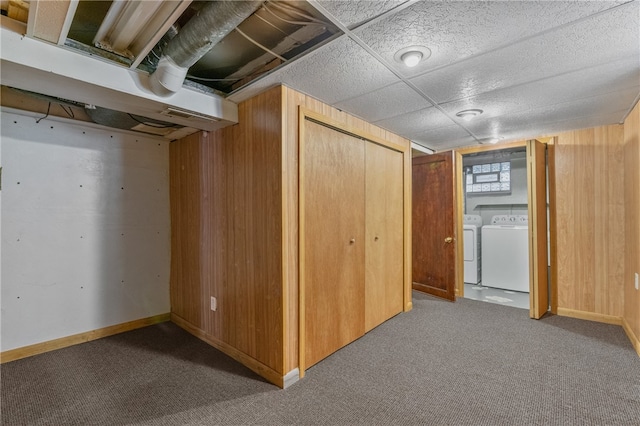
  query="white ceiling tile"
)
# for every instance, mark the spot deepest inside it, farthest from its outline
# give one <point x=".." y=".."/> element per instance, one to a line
<point x="416" y="121"/>
<point x="556" y="90"/>
<point x="444" y="138"/>
<point x="336" y="71"/>
<point x="354" y="12"/>
<point x="568" y="114"/>
<point x="609" y="37"/>
<point x="530" y="130"/>
<point x="558" y="62"/>
<point x="454" y="30"/>
<point x="390" y="101"/>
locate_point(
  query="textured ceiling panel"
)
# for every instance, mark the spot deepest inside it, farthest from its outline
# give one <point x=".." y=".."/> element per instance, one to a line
<point x="608" y="37"/>
<point x="390" y="101"/>
<point x="569" y="114"/>
<point x="444" y="138"/>
<point x="455" y="30"/>
<point x="415" y="122"/>
<point x="338" y="70"/>
<point x="355" y="12"/>
<point x="581" y="84"/>
<point x="525" y="128"/>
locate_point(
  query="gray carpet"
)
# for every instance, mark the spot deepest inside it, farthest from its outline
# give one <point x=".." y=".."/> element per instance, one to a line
<point x="468" y="363"/>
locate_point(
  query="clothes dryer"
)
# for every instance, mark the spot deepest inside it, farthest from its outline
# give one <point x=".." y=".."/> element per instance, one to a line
<point x="472" y="237"/>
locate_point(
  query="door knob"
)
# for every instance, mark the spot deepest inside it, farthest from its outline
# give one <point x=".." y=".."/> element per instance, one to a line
<point x="448" y="240"/>
<point x="376" y="238"/>
<point x="352" y="241"/>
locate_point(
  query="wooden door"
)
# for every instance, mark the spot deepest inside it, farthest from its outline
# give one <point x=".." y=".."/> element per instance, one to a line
<point x="537" y="194"/>
<point x="332" y="252"/>
<point x="434" y="245"/>
<point x="384" y="277"/>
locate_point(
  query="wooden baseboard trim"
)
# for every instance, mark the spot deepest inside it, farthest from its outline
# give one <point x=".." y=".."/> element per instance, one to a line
<point x="635" y="340"/>
<point x="256" y="366"/>
<point x="590" y="316"/>
<point x="76" y="339"/>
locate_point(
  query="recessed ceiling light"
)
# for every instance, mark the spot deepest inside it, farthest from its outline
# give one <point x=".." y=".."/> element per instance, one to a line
<point x="488" y="141"/>
<point x="469" y="114"/>
<point x="412" y="55"/>
<point x="411" y="58"/>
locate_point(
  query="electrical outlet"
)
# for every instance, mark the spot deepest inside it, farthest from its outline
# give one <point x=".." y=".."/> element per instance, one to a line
<point x="214" y="304"/>
<point x="637" y="282"/>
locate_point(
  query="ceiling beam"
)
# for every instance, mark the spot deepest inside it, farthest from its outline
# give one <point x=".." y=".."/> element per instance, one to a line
<point x="33" y="65"/>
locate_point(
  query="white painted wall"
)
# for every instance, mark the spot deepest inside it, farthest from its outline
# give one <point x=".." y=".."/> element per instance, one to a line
<point x="85" y="228"/>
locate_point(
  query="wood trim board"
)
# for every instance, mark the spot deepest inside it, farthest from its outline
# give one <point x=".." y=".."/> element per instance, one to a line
<point x="459" y="225"/>
<point x="76" y="339"/>
<point x="590" y="316"/>
<point x="251" y="363"/>
<point x="635" y="340"/>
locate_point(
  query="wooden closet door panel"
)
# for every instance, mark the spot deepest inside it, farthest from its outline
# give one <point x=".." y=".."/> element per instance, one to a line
<point x="333" y="240"/>
<point x="384" y="234"/>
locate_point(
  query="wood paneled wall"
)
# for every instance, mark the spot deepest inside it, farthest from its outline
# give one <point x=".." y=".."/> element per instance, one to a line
<point x="590" y="212"/>
<point x="631" y="317"/>
<point x="234" y="210"/>
<point x="226" y="192"/>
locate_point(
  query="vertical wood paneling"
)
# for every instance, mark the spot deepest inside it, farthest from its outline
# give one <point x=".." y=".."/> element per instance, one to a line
<point x="186" y="289"/>
<point x="234" y="207"/>
<point x="631" y="316"/>
<point x="590" y="224"/>
<point x="214" y="228"/>
<point x="292" y="100"/>
<point x="553" y="225"/>
<point x="226" y="189"/>
<point x="257" y="265"/>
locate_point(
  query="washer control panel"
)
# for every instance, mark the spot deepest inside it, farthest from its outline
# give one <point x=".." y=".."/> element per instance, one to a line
<point x="510" y="219"/>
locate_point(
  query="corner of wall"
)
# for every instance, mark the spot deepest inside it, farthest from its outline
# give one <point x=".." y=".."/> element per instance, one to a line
<point x="631" y="316"/>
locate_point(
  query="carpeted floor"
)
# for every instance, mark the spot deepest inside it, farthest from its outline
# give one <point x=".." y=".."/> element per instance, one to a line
<point x="468" y="363"/>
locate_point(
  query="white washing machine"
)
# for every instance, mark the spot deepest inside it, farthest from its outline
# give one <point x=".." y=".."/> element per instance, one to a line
<point x="505" y="253"/>
<point x="472" y="225"/>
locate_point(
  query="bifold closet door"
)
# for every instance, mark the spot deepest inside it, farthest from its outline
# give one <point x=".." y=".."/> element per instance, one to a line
<point x="333" y="193"/>
<point x="384" y="234"/>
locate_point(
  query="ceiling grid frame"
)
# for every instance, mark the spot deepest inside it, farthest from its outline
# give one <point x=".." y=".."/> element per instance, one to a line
<point x="389" y="66"/>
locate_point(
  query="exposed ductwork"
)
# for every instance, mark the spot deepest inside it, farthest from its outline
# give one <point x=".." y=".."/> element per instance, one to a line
<point x="214" y="21"/>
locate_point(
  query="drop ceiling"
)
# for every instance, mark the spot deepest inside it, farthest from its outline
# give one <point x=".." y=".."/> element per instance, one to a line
<point x="534" y="68"/>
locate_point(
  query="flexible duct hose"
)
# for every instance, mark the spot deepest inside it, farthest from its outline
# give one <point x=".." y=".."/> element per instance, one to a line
<point x="212" y="23"/>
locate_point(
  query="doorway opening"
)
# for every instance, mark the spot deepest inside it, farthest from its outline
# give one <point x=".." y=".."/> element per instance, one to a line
<point x="529" y="212"/>
<point x="495" y="226"/>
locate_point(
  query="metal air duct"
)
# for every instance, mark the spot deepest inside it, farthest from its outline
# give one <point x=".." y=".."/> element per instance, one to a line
<point x="214" y="21"/>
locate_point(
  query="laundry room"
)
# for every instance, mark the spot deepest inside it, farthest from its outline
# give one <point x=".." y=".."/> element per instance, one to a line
<point x="495" y="226"/>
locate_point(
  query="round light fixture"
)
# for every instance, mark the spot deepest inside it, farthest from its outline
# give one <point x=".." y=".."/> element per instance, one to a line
<point x="491" y="141"/>
<point x="412" y="55"/>
<point x="411" y="58"/>
<point x="469" y="114"/>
